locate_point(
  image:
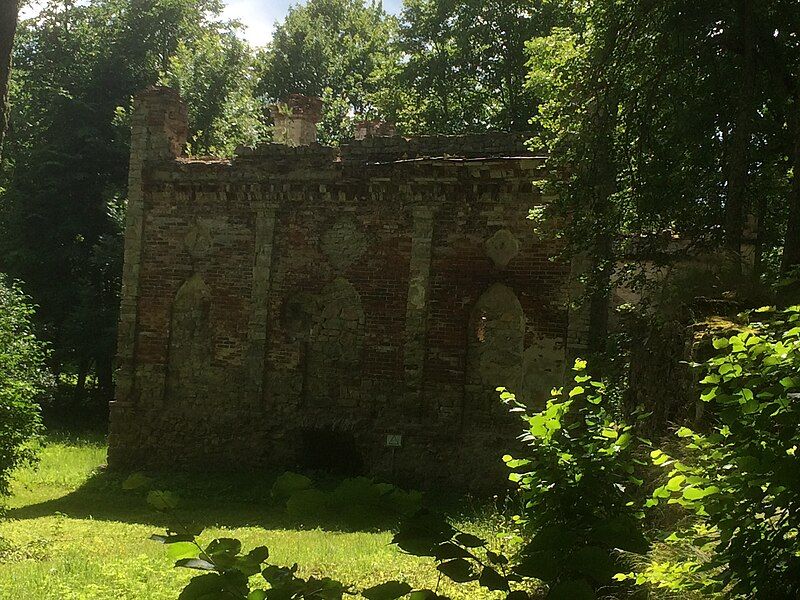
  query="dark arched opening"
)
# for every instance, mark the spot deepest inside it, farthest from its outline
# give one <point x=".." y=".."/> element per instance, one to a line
<point x="330" y="451"/>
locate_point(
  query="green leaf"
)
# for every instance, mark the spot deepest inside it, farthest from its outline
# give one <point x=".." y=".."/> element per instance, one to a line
<point x="195" y="563"/>
<point x="421" y="533"/>
<point x="576" y="391"/>
<point x="610" y="433"/>
<point x="710" y="395"/>
<point x="181" y="550"/>
<point x="136" y="481"/>
<point x="203" y="587"/>
<point x="257" y="595"/>
<point x="539" y="564"/>
<point x="162" y="501"/>
<point x="675" y="483"/>
<point x="750" y="406"/>
<point x="492" y="580"/>
<point x="495" y="558"/>
<point x="258" y="554"/>
<point x="721" y="343"/>
<point x="449" y="550"/>
<point x="459" y="570"/>
<point x="223" y="547"/>
<point x="685" y="432"/>
<point x="391" y="590"/>
<point x="693" y="493"/>
<point x="469" y="541"/>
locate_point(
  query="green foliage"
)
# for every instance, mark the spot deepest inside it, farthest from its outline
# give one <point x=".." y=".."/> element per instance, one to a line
<point x="679" y="565"/>
<point x="77" y="66"/>
<point x="216" y="76"/>
<point x="658" y="118"/>
<point x="461" y="557"/>
<point x="578" y="480"/>
<point x="742" y="478"/>
<point x="358" y="501"/>
<point x="331" y="49"/>
<point x="289" y="483"/>
<point x="23" y="381"/>
<point x="464" y="64"/>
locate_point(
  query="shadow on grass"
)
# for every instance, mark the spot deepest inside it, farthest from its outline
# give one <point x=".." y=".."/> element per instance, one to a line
<point x="210" y="500"/>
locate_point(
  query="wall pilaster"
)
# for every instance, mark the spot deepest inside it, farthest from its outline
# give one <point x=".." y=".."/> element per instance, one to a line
<point x="158" y="132"/>
<point x="259" y="315"/>
<point x="417" y="305"/>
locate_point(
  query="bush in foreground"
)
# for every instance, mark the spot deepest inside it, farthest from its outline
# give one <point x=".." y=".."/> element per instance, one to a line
<point x="23" y="379"/>
<point x="741" y="478"/>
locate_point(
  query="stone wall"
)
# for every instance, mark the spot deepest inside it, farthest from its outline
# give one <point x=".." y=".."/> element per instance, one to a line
<point x="299" y="305"/>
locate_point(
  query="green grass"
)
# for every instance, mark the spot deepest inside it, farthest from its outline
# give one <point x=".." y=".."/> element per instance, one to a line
<point x="71" y="532"/>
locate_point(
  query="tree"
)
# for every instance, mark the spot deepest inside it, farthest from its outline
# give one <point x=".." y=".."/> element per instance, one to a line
<point x="77" y="67"/>
<point x="330" y="49"/>
<point x="664" y="122"/>
<point x="216" y="76"/>
<point x="464" y="63"/>
<point x="9" y="13"/>
<point x="23" y="381"/>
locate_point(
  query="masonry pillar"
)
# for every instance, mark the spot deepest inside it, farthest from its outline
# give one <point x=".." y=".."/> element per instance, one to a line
<point x="296" y="119"/>
<point x="262" y="281"/>
<point x="373" y="128"/>
<point x="158" y="133"/>
<point x="417" y="304"/>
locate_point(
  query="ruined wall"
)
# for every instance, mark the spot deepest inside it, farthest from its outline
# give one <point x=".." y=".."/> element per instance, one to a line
<point x="297" y="305"/>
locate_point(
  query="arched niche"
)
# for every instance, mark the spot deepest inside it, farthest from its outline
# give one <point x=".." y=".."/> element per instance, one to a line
<point x="190" y="343"/>
<point x="496" y="339"/>
<point x="335" y="347"/>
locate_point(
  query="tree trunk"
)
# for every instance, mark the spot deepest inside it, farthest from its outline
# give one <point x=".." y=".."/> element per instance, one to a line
<point x="791" y="245"/>
<point x="603" y="186"/>
<point x="104" y="368"/>
<point x="738" y="155"/>
<point x="80" y="385"/>
<point x="9" y="13"/>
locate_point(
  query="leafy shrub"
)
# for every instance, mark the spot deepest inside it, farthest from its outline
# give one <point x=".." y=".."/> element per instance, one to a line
<point x="462" y="557"/>
<point x="23" y="380"/>
<point x="742" y="478"/>
<point x="311" y="503"/>
<point x="289" y="483"/>
<point x="578" y="480"/>
<point x="357" y="501"/>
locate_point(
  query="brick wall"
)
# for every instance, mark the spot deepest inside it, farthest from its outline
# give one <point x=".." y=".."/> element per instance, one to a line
<point x="293" y="305"/>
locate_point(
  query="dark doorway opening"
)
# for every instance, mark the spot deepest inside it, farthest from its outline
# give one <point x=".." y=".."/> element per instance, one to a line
<point x="330" y="451"/>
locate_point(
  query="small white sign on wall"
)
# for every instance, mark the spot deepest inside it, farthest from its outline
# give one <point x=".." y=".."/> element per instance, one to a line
<point x="394" y="441"/>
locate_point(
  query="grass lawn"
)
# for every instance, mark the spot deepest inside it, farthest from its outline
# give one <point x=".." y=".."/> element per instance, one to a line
<point x="71" y="532"/>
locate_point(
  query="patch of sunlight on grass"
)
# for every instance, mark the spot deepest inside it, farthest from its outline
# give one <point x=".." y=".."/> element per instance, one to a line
<point x="71" y="533"/>
<point x="65" y="463"/>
